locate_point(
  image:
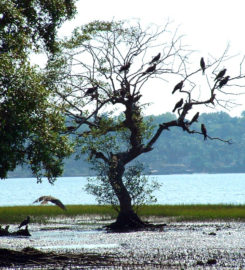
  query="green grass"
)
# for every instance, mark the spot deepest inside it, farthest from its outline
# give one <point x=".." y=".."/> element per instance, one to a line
<point x="15" y="214"/>
<point x="196" y="212"/>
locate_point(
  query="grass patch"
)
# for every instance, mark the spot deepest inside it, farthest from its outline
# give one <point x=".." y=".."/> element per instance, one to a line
<point x="16" y="214"/>
<point x="39" y="214"/>
<point x="196" y="211"/>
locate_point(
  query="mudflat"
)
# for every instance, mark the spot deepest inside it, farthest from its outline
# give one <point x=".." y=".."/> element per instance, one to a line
<point x="82" y="242"/>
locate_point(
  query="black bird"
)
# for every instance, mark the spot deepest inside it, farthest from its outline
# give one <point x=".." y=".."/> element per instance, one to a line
<point x="156" y="58"/>
<point x="203" y="66"/>
<point x="178" y="104"/>
<point x="91" y="90"/>
<point x="178" y="86"/>
<point x="204" y="131"/>
<point x="150" y="69"/>
<point x="24" y="222"/>
<point x="220" y="75"/>
<point x="125" y="67"/>
<point x="224" y="81"/>
<point x="194" y="119"/>
<point x="187" y="106"/>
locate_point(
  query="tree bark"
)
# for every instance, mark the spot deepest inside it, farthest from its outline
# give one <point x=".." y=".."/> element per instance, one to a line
<point x="127" y="219"/>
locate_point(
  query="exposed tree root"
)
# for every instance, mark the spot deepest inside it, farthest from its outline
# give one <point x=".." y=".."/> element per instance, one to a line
<point x="131" y="222"/>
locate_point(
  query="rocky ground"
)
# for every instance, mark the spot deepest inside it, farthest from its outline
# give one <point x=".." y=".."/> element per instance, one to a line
<point x="77" y="244"/>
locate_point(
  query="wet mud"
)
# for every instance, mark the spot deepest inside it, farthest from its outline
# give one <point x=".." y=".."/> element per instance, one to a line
<point x="76" y="244"/>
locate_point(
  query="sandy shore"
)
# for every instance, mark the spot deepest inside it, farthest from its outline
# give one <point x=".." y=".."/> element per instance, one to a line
<point x="184" y="245"/>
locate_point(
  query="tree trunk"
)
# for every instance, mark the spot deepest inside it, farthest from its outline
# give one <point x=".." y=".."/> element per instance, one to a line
<point x="127" y="219"/>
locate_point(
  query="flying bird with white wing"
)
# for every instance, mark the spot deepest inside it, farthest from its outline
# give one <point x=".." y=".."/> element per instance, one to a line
<point x="46" y="199"/>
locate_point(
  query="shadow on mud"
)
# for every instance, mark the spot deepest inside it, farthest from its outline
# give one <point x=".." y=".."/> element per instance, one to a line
<point x="33" y="258"/>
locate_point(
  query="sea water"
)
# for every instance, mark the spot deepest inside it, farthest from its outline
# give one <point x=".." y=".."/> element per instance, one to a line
<point x="175" y="189"/>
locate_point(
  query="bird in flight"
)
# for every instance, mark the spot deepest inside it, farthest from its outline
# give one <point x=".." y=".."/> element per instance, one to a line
<point x="46" y="199"/>
<point x="24" y="222"/>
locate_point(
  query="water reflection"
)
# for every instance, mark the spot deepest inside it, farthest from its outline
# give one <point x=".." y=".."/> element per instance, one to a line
<point x="79" y="246"/>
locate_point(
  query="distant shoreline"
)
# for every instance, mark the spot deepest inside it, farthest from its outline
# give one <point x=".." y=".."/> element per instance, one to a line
<point x="153" y="174"/>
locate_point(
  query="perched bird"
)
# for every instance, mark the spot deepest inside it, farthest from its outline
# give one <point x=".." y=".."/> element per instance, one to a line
<point x="150" y="69"/>
<point x="155" y="59"/>
<point x="224" y="81"/>
<point x="204" y="131"/>
<point x="203" y="66"/>
<point x="220" y="75"/>
<point x="194" y="119"/>
<point x="46" y="199"/>
<point x="91" y="90"/>
<point x="125" y="67"/>
<point x="24" y="222"/>
<point x="187" y="106"/>
<point x="178" y="104"/>
<point x="178" y="86"/>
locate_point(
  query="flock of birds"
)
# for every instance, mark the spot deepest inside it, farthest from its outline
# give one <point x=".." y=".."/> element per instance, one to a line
<point x="220" y="80"/>
<point x="91" y="91"/>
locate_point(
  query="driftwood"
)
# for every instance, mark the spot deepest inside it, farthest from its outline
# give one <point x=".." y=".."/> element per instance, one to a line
<point x="20" y="232"/>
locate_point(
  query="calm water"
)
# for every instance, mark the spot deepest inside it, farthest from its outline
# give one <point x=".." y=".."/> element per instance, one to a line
<point x="176" y="189"/>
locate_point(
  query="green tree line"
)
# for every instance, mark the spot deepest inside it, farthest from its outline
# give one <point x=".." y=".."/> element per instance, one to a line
<point x="178" y="152"/>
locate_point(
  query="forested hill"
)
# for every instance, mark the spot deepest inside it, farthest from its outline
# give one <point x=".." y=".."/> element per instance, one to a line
<point x="179" y="152"/>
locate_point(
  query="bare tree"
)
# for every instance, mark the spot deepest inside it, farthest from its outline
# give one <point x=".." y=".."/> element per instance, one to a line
<point x="100" y="78"/>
